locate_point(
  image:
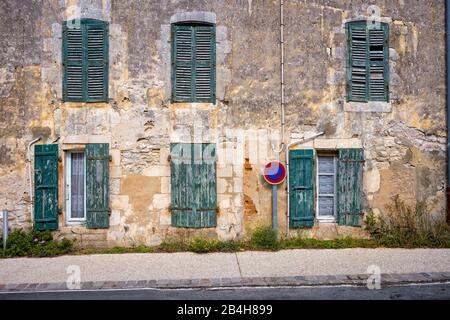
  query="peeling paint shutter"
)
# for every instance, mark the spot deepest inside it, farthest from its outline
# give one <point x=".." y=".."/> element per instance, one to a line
<point x="350" y="186"/>
<point x="204" y="64"/>
<point x="85" y="55"/>
<point x="193" y="185"/>
<point x="301" y="188"/>
<point x="97" y="185"/>
<point x="379" y="63"/>
<point x="193" y="63"/>
<point x="368" y="60"/>
<point x="46" y="187"/>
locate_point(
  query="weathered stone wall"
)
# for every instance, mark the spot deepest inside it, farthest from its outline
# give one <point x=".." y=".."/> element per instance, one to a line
<point x="404" y="140"/>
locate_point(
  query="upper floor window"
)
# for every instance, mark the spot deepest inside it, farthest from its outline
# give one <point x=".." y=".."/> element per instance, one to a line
<point x="193" y="63"/>
<point x="368" y="62"/>
<point x="85" y="60"/>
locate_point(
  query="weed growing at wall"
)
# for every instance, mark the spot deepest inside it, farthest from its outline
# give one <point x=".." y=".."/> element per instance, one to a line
<point x="264" y="237"/>
<point x="35" y="244"/>
<point x="408" y="225"/>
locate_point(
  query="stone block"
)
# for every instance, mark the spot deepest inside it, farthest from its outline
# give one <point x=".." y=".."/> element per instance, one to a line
<point x="161" y="201"/>
<point x="157" y="171"/>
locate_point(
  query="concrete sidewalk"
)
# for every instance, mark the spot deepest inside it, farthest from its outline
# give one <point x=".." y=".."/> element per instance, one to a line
<point x="289" y="267"/>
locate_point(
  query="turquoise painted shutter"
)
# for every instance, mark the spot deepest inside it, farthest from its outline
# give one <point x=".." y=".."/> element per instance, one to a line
<point x="73" y="57"/>
<point x="193" y="185"/>
<point x="301" y="188"/>
<point x="97" y="185"/>
<point x="368" y="62"/>
<point x="350" y="186"/>
<point x="46" y="187"/>
<point x="357" y="72"/>
<point x="205" y="64"/>
<point x="85" y="60"/>
<point x="193" y="63"/>
<point x="182" y="63"/>
<point x="97" y="61"/>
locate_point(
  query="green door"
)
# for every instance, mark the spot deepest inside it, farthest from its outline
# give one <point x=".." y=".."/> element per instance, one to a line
<point x="46" y="187"/>
<point x="301" y="188"/>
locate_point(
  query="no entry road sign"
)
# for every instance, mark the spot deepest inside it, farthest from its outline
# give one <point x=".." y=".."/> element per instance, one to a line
<point x="274" y="172"/>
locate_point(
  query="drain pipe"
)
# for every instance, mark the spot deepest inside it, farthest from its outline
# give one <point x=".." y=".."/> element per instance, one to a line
<point x="288" y="147"/>
<point x="281" y="78"/>
<point x="447" y="29"/>
<point x="29" y="176"/>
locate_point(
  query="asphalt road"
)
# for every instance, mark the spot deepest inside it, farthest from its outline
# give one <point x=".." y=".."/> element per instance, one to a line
<point x="416" y="292"/>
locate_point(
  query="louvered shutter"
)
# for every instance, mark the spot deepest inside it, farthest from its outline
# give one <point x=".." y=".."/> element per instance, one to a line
<point x="301" y="188"/>
<point x="193" y="185"/>
<point x="193" y="63"/>
<point x="350" y="186"/>
<point x="379" y="64"/>
<point x="73" y="84"/>
<point x="368" y="72"/>
<point x="46" y="187"/>
<point x="97" y="61"/>
<point x="97" y="185"/>
<point x="85" y="52"/>
<point x="204" y="64"/>
<point x="182" y="63"/>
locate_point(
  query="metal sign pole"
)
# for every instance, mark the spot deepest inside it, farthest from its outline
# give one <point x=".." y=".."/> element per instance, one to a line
<point x="5" y="228"/>
<point x="274" y="207"/>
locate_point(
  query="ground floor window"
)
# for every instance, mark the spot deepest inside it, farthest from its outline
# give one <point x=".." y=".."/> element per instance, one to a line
<point x="326" y="187"/>
<point x="76" y="186"/>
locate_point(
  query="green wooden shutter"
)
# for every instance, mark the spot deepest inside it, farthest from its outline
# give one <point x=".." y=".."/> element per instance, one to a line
<point x="73" y="57"/>
<point x="205" y="64"/>
<point x="85" y="59"/>
<point x="97" y="61"/>
<point x="193" y="185"/>
<point x="301" y="188"/>
<point x="368" y="62"/>
<point x="350" y="186"/>
<point x="193" y="63"/>
<point x="379" y="63"/>
<point x="182" y="63"/>
<point x="46" y="187"/>
<point x="97" y="185"/>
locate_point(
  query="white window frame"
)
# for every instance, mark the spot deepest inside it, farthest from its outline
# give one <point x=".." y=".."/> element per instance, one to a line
<point x="327" y="218"/>
<point x="69" y="219"/>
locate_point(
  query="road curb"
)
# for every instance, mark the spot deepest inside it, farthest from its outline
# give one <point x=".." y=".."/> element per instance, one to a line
<point x="293" y="281"/>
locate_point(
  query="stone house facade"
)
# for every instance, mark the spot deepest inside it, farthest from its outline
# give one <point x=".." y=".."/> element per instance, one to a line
<point x="118" y="93"/>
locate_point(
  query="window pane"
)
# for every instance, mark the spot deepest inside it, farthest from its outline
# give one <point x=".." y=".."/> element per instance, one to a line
<point x="326" y="164"/>
<point x="77" y="185"/>
<point x="326" y="206"/>
<point x="326" y="184"/>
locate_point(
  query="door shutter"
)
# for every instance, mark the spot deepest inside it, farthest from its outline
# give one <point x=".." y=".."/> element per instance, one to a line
<point x="204" y="64"/>
<point x="97" y="61"/>
<point x="97" y="185"/>
<point x="46" y="187"/>
<point x="73" y="53"/>
<point x="85" y="55"/>
<point x="301" y="188"/>
<point x="193" y="185"/>
<point x="379" y="63"/>
<point x="350" y="186"/>
<point x="182" y="63"/>
<point x="357" y="44"/>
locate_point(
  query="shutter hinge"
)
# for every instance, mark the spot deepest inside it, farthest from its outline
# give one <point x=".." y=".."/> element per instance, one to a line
<point x="60" y="210"/>
<point x="169" y="158"/>
<point x="110" y="158"/>
<point x="109" y="211"/>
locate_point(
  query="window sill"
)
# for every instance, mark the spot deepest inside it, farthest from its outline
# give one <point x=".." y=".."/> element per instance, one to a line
<point x="85" y="104"/>
<point x="371" y="106"/>
<point x="192" y="104"/>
